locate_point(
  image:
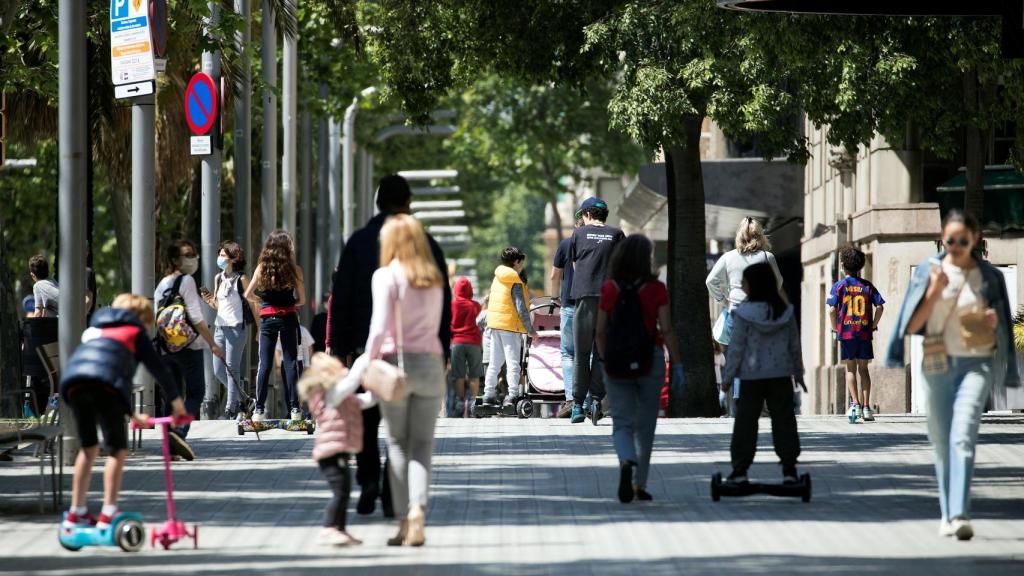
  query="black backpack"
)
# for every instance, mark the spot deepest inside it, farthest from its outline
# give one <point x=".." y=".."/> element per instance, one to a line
<point x="629" y="347"/>
<point x="247" y="317"/>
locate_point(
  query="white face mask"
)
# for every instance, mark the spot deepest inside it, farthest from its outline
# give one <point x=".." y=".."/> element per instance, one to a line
<point x="189" y="265"/>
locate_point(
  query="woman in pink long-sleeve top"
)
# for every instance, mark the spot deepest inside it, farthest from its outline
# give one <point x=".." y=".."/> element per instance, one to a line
<point x="408" y="279"/>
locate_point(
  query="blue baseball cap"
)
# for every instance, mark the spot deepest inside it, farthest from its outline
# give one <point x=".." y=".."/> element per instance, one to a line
<point x="592" y="202"/>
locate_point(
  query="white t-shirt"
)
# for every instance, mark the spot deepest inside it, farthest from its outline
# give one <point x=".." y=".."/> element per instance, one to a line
<point x="725" y="281"/>
<point x="970" y="297"/>
<point x="229" y="301"/>
<point x="193" y="305"/>
<point x="46" y="293"/>
<point x="305" y="344"/>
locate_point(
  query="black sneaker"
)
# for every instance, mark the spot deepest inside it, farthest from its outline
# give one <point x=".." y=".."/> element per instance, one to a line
<point x="643" y="495"/>
<point x="596" y="413"/>
<point x="367" y="500"/>
<point x="179" y="447"/>
<point x="490" y="401"/>
<point x="789" y="475"/>
<point x="626" y="493"/>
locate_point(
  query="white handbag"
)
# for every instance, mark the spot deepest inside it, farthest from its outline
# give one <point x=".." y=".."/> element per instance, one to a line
<point x="720" y="331"/>
<point x="383" y="378"/>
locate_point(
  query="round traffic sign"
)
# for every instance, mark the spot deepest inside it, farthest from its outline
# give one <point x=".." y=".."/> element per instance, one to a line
<point x="158" y="26"/>
<point x="201" y="103"/>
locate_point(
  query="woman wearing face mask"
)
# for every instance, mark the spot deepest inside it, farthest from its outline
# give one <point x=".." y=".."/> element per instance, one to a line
<point x="229" y="328"/>
<point x="180" y="262"/>
<point x="959" y="303"/>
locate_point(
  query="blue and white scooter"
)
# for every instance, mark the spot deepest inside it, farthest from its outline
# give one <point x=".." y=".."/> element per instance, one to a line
<point x="126" y="531"/>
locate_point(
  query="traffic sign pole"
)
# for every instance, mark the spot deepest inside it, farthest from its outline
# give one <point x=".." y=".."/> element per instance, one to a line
<point x="210" y="214"/>
<point x="268" y="151"/>
<point x="143" y="215"/>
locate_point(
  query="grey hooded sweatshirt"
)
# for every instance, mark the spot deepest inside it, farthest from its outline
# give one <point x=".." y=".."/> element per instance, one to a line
<point x="760" y="347"/>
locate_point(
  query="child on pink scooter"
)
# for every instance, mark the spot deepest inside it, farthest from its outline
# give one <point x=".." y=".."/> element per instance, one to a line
<point x="97" y="385"/>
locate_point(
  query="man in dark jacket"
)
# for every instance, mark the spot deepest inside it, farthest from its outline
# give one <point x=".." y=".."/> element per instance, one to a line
<point x="97" y="385"/>
<point x="349" y="321"/>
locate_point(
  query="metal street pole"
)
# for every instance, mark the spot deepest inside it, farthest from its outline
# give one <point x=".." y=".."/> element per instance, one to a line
<point x="210" y="220"/>
<point x="243" y="133"/>
<point x="323" y="250"/>
<point x="144" y="218"/>
<point x="347" y="150"/>
<point x="289" y="180"/>
<point x="306" y="221"/>
<point x="72" y="138"/>
<point x="268" y="161"/>
<point x="334" y="240"/>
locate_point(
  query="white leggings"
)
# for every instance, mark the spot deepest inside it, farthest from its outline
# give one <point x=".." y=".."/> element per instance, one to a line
<point x="506" y="348"/>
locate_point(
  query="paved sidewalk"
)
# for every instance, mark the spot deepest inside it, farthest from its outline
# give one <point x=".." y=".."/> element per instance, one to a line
<point x="538" y="497"/>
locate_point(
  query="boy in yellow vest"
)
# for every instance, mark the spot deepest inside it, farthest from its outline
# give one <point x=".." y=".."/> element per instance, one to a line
<point x="508" y="317"/>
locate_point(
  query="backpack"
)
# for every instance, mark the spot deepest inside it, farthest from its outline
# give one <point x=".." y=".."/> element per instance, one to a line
<point x="247" y="317"/>
<point x="173" y="327"/>
<point x="629" y="346"/>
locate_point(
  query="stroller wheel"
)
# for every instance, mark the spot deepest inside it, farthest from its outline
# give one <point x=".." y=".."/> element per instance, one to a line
<point x="525" y="408"/>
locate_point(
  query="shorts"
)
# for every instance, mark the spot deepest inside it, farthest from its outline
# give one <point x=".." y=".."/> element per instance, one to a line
<point x="467" y="358"/>
<point x="95" y="403"/>
<point x="856" y="350"/>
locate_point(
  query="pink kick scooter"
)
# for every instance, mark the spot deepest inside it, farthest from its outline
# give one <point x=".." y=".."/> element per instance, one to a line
<point x="173" y="529"/>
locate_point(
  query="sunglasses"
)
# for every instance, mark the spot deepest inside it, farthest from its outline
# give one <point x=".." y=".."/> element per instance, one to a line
<point x="960" y="241"/>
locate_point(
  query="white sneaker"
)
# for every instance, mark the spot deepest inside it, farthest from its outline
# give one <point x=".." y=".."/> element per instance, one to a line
<point x="868" y="414"/>
<point x="962" y="528"/>
<point x="945" y="528"/>
<point x="296" y="414"/>
<point x="853" y="413"/>
<point x="257" y="415"/>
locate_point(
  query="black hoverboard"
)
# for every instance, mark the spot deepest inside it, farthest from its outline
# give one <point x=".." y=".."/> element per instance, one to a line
<point x="802" y="489"/>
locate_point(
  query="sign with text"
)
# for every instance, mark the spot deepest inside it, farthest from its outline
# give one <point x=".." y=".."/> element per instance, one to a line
<point x="201" y="145"/>
<point x="131" y="46"/>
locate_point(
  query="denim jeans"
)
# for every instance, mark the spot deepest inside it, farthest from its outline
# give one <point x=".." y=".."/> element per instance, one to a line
<point x="287" y="327"/>
<point x="187" y="368"/>
<point x="565" y="325"/>
<point x="956" y="400"/>
<point x="634" y="407"/>
<point x="232" y="340"/>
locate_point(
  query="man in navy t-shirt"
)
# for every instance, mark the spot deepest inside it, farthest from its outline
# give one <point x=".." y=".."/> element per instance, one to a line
<point x="561" y="277"/>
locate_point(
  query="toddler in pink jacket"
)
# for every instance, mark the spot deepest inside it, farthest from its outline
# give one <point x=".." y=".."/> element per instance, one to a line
<point x="339" y="434"/>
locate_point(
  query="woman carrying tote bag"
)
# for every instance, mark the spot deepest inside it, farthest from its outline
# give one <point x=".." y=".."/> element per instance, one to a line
<point x="407" y="304"/>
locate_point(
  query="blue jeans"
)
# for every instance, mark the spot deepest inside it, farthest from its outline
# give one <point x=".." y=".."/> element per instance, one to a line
<point x="568" y="352"/>
<point x="956" y="400"/>
<point x="187" y="368"/>
<point x="287" y="327"/>
<point x="232" y="340"/>
<point x="634" y="406"/>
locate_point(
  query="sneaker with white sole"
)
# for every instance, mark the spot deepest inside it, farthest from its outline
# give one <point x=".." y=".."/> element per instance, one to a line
<point x="72" y="520"/>
<point x="296" y="414"/>
<point x="868" y="414"/>
<point x="945" y="528"/>
<point x="853" y="413"/>
<point x="961" y="528"/>
<point x="105" y="520"/>
<point x="179" y="446"/>
<point x="257" y="415"/>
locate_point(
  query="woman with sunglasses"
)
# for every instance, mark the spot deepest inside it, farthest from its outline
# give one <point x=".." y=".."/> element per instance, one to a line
<point x="958" y="301"/>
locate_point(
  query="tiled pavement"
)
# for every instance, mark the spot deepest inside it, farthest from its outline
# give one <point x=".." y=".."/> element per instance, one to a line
<point x="538" y="497"/>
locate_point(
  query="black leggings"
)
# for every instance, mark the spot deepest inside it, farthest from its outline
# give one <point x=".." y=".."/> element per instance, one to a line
<point x="778" y="394"/>
<point x="335" y="471"/>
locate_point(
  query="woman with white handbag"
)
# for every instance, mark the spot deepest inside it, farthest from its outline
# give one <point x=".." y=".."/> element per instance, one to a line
<point x="725" y="281"/>
<point x="407" y="306"/>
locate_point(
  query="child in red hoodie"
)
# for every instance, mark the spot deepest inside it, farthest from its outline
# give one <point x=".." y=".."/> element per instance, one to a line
<point x="467" y="353"/>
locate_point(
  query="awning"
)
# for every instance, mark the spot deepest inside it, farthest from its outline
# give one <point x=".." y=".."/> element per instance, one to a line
<point x="1004" y="196"/>
<point x="733" y="189"/>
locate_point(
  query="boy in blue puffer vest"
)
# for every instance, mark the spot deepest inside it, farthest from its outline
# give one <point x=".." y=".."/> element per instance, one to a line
<point x="97" y="385"/>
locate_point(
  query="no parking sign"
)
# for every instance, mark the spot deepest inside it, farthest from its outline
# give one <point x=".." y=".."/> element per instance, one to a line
<point x="201" y="102"/>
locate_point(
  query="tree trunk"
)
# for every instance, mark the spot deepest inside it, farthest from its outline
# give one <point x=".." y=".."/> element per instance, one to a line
<point x="553" y="200"/>
<point x="974" y="191"/>
<point x="687" y="269"/>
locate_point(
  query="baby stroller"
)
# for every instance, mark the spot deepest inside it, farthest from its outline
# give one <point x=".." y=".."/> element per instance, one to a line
<point x="543" y="358"/>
